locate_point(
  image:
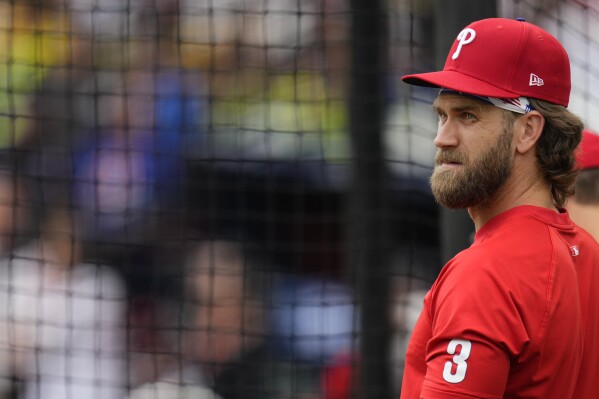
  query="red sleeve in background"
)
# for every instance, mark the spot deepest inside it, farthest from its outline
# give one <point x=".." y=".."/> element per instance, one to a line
<point x="340" y="377"/>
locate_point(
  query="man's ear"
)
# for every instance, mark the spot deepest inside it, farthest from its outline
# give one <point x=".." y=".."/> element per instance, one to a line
<point x="527" y="131"/>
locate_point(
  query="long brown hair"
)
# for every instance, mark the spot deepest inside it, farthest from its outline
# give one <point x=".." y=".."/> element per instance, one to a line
<point x="556" y="148"/>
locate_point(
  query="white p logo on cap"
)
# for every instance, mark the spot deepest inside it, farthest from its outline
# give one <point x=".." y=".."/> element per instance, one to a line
<point x="466" y="36"/>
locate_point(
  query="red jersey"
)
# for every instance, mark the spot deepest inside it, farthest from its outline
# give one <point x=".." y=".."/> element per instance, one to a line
<point x="516" y="315"/>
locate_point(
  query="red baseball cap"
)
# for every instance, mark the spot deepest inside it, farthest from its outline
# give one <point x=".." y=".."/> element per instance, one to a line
<point x="505" y="58"/>
<point x="588" y="151"/>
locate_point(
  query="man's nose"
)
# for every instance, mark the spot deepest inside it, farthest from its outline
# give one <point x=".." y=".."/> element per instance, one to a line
<point x="447" y="135"/>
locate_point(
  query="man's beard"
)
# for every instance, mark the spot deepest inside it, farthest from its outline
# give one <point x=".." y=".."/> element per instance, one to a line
<point x="476" y="182"/>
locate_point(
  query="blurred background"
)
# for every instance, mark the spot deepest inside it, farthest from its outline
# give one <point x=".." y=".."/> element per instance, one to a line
<point x="228" y="198"/>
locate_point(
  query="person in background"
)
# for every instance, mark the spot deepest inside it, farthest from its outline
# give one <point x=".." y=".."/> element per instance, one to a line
<point x="515" y="314"/>
<point x="62" y="319"/>
<point x="227" y="347"/>
<point x="583" y="206"/>
<point x="222" y="343"/>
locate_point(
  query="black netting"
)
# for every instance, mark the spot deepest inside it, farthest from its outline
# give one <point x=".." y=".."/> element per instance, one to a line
<point x="208" y="198"/>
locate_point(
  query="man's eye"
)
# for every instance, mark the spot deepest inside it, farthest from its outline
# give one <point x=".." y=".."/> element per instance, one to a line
<point x="442" y="118"/>
<point x="469" y="116"/>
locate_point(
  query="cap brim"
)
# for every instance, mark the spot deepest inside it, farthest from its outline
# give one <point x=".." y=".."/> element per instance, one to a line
<point x="458" y="82"/>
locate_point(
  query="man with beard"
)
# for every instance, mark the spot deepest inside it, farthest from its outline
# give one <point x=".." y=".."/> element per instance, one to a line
<point x="516" y="314"/>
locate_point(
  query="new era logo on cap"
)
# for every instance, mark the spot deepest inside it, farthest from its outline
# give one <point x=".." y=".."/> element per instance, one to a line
<point x="535" y="80"/>
<point x="504" y="58"/>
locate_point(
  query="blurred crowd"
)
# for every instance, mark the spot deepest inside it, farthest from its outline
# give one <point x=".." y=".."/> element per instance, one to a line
<point x="139" y="258"/>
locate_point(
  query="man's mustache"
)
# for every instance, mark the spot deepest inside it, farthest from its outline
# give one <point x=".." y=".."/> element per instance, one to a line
<point x="449" y="156"/>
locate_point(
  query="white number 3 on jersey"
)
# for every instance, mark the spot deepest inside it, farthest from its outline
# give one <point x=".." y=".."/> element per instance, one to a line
<point x="457" y="374"/>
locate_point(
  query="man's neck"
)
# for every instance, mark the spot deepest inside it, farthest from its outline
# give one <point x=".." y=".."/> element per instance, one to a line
<point x="517" y="191"/>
